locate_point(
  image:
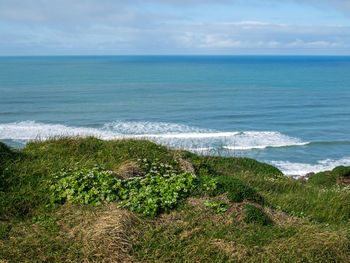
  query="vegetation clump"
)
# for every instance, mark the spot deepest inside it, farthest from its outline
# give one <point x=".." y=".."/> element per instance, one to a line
<point x="252" y="214"/>
<point x="160" y="189"/>
<point x="341" y="171"/>
<point x="323" y="179"/>
<point x="340" y="175"/>
<point x="85" y="186"/>
<point x="217" y="208"/>
<point x="236" y="190"/>
<point x="6" y="153"/>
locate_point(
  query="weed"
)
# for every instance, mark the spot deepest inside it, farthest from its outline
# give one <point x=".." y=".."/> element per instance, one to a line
<point x="218" y="208"/>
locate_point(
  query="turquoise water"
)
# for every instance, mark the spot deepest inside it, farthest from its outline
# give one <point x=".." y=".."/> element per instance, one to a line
<point x="292" y="112"/>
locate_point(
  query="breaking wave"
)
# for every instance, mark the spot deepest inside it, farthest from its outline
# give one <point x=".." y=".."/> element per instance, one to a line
<point x="174" y="135"/>
<point x="300" y="169"/>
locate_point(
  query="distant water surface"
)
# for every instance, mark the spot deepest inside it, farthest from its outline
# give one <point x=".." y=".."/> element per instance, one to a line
<point x="292" y="112"/>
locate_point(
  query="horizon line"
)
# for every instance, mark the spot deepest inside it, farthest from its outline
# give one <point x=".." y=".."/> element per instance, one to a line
<point x="181" y="55"/>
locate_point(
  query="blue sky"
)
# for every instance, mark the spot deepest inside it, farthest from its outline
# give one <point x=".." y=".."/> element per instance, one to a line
<point x="134" y="27"/>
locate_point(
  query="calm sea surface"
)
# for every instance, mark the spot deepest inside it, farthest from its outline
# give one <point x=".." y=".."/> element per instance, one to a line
<point x="292" y="112"/>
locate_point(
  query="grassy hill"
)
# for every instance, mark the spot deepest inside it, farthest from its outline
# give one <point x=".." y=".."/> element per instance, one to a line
<point x="88" y="200"/>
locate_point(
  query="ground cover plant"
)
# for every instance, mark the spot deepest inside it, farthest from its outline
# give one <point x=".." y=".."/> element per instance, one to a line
<point x="160" y="189"/>
<point x="88" y="200"/>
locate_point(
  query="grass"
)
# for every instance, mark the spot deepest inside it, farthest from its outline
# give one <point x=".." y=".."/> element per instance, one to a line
<point x="310" y="218"/>
<point x="253" y="214"/>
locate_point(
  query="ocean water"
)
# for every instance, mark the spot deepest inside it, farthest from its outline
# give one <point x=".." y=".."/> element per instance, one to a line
<point x="292" y="112"/>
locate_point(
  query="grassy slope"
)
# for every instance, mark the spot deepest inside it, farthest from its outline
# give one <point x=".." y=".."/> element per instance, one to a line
<point x="311" y="221"/>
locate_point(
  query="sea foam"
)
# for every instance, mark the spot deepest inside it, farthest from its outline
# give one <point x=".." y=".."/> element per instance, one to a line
<point x="300" y="169"/>
<point x="174" y="135"/>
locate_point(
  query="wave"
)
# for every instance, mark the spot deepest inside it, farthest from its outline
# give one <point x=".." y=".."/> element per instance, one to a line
<point x="31" y="130"/>
<point x="300" y="169"/>
<point x="174" y="135"/>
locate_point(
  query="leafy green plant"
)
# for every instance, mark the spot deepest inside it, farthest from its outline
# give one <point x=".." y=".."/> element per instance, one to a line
<point x="152" y="194"/>
<point x="85" y="186"/>
<point x="204" y="185"/>
<point x="252" y="214"/>
<point x="160" y="189"/>
<point x="218" y="208"/>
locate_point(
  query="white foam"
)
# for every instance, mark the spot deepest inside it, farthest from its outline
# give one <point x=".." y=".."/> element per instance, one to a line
<point x="300" y="169"/>
<point x="174" y="135"/>
<point x="156" y="128"/>
<point x="191" y="135"/>
<point x="30" y="130"/>
<point x="264" y="146"/>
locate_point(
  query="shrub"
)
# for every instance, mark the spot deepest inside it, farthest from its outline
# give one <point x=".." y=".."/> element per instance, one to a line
<point x="323" y="179"/>
<point x="341" y="171"/>
<point x="6" y="153"/>
<point x="252" y="214"/>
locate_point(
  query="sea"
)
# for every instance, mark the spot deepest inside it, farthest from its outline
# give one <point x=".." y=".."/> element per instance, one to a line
<point x="289" y="111"/>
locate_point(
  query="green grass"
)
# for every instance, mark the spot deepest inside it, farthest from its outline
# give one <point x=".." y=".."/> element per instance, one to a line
<point x="322" y="203"/>
<point x="310" y="218"/>
<point x="253" y="214"/>
<point x="341" y="171"/>
<point x="323" y="179"/>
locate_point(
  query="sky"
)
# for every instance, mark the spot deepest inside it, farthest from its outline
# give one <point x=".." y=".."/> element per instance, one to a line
<point x="174" y="27"/>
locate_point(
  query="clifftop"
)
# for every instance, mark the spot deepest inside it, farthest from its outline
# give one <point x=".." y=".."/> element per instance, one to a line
<point x="88" y="200"/>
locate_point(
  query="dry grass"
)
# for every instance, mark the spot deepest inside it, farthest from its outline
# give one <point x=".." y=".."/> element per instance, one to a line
<point x="309" y="244"/>
<point x="280" y="218"/>
<point x="231" y="248"/>
<point x="184" y="164"/>
<point x="106" y="234"/>
<point x="76" y="234"/>
<point x="128" y="170"/>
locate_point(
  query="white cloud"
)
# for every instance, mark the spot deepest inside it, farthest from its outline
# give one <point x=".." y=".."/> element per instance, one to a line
<point x="233" y="35"/>
<point x="120" y="27"/>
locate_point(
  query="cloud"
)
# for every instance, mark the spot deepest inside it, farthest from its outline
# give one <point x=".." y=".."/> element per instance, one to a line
<point x="157" y="27"/>
<point x="247" y="35"/>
